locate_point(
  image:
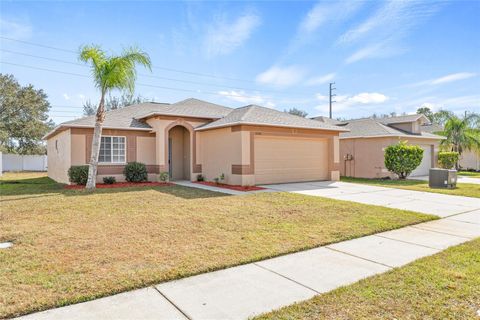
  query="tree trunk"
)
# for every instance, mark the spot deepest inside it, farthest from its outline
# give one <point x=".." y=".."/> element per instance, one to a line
<point x="97" y="136"/>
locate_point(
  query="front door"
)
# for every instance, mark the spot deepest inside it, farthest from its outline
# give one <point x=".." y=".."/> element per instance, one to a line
<point x="170" y="158"/>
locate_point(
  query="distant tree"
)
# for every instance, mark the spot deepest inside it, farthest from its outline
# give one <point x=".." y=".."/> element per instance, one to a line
<point x="442" y="116"/>
<point x="426" y="112"/>
<point x="23" y="117"/>
<point x="112" y="103"/>
<point x="109" y="73"/>
<point x="297" y="112"/>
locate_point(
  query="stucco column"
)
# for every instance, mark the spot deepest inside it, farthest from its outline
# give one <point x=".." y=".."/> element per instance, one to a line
<point x="334" y="159"/>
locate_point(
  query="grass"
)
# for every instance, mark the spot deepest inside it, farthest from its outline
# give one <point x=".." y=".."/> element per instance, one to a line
<point x="462" y="189"/>
<point x="470" y="174"/>
<point x="442" y="286"/>
<point x="74" y="245"/>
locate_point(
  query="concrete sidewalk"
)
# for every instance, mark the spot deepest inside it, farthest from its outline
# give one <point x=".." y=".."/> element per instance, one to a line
<point x="248" y="290"/>
<point x="442" y="205"/>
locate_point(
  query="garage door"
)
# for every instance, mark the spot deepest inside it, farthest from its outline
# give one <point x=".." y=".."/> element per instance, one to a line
<point x="426" y="164"/>
<point x="280" y="159"/>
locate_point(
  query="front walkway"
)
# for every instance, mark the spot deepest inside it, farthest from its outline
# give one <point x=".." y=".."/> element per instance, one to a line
<point x="438" y="204"/>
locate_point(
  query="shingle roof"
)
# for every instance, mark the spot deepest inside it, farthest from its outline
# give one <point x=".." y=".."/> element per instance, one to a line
<point x="257" y="115"/>
<point x="327" y="120"/>
<point x="191" y="108"/>
<point x="401" y="119"/>
<point x="431" y="128"/>
<point x="372" y="127"/>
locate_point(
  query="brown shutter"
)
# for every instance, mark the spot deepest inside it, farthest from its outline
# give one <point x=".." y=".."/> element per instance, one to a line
<point x="88" y="147"/>
<point x="131" y="148"/>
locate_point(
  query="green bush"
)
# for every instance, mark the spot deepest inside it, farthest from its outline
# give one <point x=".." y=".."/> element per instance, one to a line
<point x="109" y="180"/>
<point x="78" y="174"/>
<point x="447" y="160"/>
<point x="200" y="177"/>
<point x="402" y="159"/>
<point x="164" y="176"/>
<point x="135" y="172"/>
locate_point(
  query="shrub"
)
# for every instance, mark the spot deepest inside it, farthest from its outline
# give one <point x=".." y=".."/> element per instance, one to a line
<point x="109" y="180"/>
<point x="402" y="159"/>
<point x="78" y="174"/>
<point x="164" y="176"/>
<point x="135" y="172"/>
<point x="200" y="177"/>
<point x="447" y="160"/>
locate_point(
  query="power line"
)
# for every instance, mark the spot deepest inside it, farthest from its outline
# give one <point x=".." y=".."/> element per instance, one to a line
<point x="138" y="84"/>
<point x="144" y="75"/>
<point x="156" y="67"/>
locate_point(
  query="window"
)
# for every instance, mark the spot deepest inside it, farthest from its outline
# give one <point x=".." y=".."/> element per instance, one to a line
<point x="112" y="149"/>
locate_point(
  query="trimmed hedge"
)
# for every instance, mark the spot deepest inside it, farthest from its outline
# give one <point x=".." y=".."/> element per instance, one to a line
<point x="78" y="174"/>
<point x="109" y="180"/>
<point x="447" y="160"/>
<point x="135" y="172"/>
<point x="402" y="159"/>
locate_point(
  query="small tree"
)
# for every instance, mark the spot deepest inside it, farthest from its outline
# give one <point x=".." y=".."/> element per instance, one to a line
<point x="297" y="112"/>
<point x="447" y="160"/>
<point x="402" y="159"/>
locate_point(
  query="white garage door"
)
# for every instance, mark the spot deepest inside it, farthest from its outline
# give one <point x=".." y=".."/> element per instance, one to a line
<point x="281" y="159"/>
<point x="426" y="164"/>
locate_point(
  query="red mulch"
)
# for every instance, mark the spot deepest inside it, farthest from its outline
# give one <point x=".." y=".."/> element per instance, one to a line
<point x="120" y="185"/>
<point x="229" y="186"/>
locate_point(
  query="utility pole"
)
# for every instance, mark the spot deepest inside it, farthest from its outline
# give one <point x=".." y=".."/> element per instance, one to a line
<point x="331" y="96"/>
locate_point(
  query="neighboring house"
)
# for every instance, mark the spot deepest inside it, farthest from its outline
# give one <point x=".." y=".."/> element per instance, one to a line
<point x="249" y="145"/>
<point x="469" y="159"/>
<point x="362" y="148"/>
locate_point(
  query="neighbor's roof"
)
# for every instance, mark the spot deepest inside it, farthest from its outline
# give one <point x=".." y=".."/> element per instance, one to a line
<point x="327" y="120"/>
<point x="363" y="128"/>
<point x="256" y="115"/>
<point x="431" y="128"/>
<point x="402" y="119"/>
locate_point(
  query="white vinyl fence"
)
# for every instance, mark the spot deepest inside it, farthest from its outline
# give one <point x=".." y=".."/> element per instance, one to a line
<point x="15" y="162"/>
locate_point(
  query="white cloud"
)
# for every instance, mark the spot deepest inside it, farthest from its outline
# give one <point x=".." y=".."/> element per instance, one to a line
<point x="224" y="37"/>
<point x="453" y="77"/>
<point x="320" y="79"/>
<point x="281" y="76"/>
<point x="81" y="96"/>
<point x="66" y="96"/>
<point x="243" y="97"/>
<point x="326" y="12"/>
<point x="15" y="30"/>
<point x="445" y="79"/>
<point x="383" y="31"/>
<point x="344" y="102"/>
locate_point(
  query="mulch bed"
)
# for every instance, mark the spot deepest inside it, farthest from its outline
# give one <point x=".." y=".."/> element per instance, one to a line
<point x="120" y="185"/>
<point x="229" y="186"/>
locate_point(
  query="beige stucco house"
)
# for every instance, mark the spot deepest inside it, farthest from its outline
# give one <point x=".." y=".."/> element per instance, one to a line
<point x="362" y="147"/>
<point x="249" y="145"/>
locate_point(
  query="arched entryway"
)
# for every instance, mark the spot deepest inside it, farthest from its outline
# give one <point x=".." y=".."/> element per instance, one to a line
<point x="179" y="153"/>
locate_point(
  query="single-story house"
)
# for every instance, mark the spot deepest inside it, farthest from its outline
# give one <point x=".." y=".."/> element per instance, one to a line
<point x="469" y="159"/>
<point x="248" y="145"/>
<point x="362" y="148"/>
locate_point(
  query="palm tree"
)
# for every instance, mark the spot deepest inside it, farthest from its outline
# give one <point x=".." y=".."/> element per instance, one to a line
<point x="461" y="134"/>
<point x="109" y="73"/>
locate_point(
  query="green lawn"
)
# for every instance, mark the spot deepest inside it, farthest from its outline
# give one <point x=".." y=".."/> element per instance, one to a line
<point x="463" y="189"/>
<point x="442" y="286"/>
<point x="73" y="245"/>
<point x="469" y="174"/>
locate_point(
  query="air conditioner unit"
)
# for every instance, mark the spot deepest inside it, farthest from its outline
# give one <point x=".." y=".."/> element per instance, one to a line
<point x="442" y="178"/>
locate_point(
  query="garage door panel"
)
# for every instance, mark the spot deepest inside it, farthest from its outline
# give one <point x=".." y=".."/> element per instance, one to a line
<point x="426" y="164"/>
<point x="280" y="160"/>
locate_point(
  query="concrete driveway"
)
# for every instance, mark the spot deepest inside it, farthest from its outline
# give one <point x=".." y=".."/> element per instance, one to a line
<point x="425" y="202"/>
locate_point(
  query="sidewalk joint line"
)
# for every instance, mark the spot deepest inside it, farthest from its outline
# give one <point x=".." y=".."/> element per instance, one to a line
<point x="447" y="233"/>
<point x="281" y="275"/>
<point x="355" y="256"/>
<point x="173" y="304"/>
<point x="407" y="242"/>
<point x="456" y="214"/>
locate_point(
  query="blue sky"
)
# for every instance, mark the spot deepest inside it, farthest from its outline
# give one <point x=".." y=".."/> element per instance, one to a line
<point x="384" y="56"/>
